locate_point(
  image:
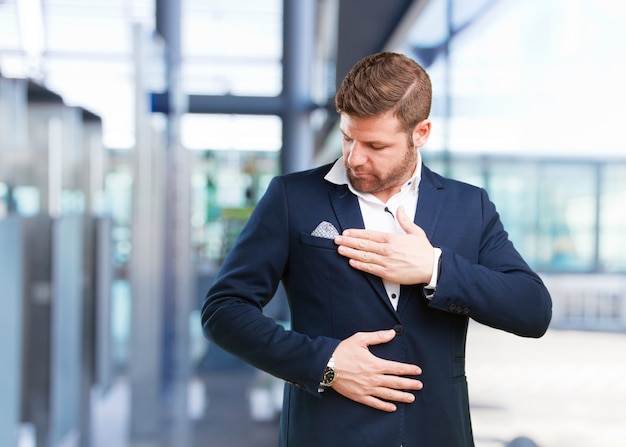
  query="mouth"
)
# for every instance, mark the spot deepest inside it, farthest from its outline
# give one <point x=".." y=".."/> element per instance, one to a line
<point x="359" y="174"/>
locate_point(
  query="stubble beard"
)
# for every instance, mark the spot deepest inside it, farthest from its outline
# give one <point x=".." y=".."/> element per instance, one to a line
<point x="374" y="183"/>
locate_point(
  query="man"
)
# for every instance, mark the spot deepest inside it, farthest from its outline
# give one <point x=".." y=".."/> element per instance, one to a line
<point x="383" y="263"/>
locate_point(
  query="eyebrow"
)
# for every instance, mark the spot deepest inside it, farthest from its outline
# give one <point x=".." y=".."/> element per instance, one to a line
<point x="372" y="142"/>
<point x="343" y="133"/>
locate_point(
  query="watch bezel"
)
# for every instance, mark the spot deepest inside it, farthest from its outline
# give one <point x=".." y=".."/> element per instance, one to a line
<point x="330" y="374"/>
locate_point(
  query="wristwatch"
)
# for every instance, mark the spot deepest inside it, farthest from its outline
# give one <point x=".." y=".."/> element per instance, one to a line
<point x="330" y="375"/>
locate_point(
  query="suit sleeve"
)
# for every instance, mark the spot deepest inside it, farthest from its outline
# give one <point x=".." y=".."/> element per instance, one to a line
<point x="499" y="289"/>
<point x="232" y="314"/>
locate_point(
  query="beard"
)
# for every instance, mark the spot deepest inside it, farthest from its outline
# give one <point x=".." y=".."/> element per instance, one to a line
<point x="375" y="182"/>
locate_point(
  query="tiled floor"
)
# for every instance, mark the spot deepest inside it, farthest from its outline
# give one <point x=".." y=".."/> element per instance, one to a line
<point x="226" y="420"/>
<point x="564" y="390"/>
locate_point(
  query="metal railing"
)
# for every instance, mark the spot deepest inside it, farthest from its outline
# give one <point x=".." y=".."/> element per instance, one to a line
<point x="588" y="302"/>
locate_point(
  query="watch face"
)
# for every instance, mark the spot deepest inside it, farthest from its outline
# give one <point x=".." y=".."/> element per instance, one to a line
<point x="329" y="376"/>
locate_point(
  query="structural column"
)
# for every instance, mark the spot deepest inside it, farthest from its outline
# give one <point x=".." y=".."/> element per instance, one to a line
<point x="177" y="269"/>
<point x="298" y="57"/>
<point x="146" y="289"/>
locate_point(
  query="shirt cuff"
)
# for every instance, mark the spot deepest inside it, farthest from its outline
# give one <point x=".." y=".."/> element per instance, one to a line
<point x="432" y="285"/>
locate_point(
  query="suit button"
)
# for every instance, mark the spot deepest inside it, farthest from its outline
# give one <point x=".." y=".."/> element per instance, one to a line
<point x="452" y="307"/>
<point x="466" y="311"/>
<point x="398" y="328"/>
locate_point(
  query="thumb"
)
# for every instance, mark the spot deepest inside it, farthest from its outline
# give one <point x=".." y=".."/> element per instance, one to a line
<point x="407" y="224"/>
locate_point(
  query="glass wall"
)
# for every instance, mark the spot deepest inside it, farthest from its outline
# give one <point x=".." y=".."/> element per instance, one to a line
<point x="612" y="226"/>
<point x="226" y="185"/>
<point x="234" y="49"/>
<point x="528" y="103"/>
<point x="566" y="223"/>
<point x="562" y="216"/>
<point x="534" y="77"/>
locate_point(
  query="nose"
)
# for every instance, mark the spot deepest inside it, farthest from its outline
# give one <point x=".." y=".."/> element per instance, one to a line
<point x="356" y="155"/>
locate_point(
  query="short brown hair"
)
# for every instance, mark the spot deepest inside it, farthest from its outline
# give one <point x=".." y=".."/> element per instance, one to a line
<point x="386" y="81"/>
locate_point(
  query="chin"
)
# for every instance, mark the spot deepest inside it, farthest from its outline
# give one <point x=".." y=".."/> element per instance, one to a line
<point x="364" y="187"/>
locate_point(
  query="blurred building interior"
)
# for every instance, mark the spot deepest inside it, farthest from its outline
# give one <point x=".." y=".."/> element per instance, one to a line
<point x="136" y="137"/>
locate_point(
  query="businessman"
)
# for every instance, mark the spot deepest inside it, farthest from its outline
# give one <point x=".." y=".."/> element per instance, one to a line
<point x="384" y="262"/>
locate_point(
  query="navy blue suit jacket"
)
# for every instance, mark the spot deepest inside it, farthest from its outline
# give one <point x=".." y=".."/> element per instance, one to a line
<point x="483" y="277"/>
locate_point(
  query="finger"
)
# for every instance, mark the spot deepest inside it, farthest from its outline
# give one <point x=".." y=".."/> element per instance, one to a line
<point x="378" y="404"/>
<point x="354" y="235"/>
<point x="377" y="337"/>
<point x="401" y="383"/>
<point x="392" y="395"/>
<point x="368" y="267"/>
<point x="360" y="255"/>
<point x="401" y="369"/>
<point x="354" y="247"/>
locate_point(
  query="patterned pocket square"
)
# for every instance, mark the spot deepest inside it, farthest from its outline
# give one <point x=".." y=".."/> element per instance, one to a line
<point x="325" y="230"/>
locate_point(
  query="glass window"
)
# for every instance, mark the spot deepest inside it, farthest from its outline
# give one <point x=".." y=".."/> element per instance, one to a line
<point x="566" y="217"/>
<point x="4" y="200"/>
<point x="231" y="132"/>
<point x="466" y="169"/>
<point x="550" y="210"/>
<point x="612" y="236"/>
<point x="513" y="187"/>
<point x="225" y="187"/>
<point x="517" y="81"/>
<point x="232" y="47"/>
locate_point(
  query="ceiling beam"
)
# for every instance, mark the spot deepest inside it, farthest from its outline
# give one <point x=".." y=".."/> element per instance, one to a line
<point x="366" y="27"/>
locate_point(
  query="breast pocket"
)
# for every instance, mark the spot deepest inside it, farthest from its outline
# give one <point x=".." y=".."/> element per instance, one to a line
<point x="320" y="242"/>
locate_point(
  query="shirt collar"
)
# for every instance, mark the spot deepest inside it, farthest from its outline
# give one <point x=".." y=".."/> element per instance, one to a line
<point x="339" y="176"/>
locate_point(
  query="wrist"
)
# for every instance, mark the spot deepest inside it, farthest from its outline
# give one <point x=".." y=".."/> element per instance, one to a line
<point x="330" y="374"/>
<point x="429" y="289"/>
<point x="436" y="269"/>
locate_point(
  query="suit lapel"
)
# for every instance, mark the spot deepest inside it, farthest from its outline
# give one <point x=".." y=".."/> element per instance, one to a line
<point x="346" y="208"/>
<point x="430" y="200"/>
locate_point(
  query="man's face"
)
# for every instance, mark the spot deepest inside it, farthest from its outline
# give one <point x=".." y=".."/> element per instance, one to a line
<point x="379" y="157"/>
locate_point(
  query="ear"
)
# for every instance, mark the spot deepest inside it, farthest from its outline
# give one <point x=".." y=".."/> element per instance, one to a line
<point x="421" y="133"/>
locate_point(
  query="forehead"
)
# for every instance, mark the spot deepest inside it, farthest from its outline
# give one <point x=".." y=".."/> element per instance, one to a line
<point x="378" y="126"/>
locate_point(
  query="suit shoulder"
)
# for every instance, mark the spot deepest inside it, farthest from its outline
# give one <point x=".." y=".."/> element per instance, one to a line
<point x="313" y="175"/>
<point x="319" y="171"/>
